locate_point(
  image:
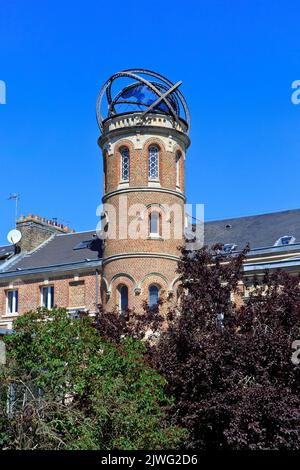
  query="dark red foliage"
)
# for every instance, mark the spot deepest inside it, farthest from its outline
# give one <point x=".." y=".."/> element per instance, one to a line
<point x="233" y="380"/>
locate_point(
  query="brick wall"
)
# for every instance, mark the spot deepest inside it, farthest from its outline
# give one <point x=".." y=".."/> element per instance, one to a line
<point x="76" y="290"/>
<point x="138" y="263"/>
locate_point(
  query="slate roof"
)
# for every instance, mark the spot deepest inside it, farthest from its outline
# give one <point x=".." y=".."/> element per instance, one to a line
<point x="59" y="250"/>
<point x="5" y="252"/>
<point x="259" y="230"/>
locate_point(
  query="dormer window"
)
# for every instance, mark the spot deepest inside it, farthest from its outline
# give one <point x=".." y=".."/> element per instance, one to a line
<point x="125" y="164"/>
<point x="286" y="240"/>
<point x="229" y="247"/>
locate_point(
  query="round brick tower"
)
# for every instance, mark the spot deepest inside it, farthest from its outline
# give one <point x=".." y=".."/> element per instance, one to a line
<point x="143" y="214"/>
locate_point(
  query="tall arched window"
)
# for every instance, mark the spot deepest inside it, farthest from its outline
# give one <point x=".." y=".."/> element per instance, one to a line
<point x="153" y="295"/>
<point x="125" y="164"/>
<point x="153" y="162"/>
<point x="123" y="303"/>
<point x="154" y="219"/>
<point x="178" y="161"/>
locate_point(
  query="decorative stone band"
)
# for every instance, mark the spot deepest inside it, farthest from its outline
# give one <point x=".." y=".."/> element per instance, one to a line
<point x="109" y="259"/>
<point x="144" y="189"/>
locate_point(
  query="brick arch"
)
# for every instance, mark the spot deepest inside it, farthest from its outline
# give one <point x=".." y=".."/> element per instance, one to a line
<point x="123" y="279"/>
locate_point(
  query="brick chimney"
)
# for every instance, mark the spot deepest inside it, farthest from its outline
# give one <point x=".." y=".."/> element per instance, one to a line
<point x="35" y="230"/>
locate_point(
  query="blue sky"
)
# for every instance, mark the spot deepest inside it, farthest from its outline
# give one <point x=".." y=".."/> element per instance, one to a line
<point x="237" y="60"/>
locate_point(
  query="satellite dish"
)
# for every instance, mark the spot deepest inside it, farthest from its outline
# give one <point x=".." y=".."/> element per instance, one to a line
<point x="14" y="236"/>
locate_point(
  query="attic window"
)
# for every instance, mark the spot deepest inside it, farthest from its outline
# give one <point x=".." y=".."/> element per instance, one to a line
<point x="286" y="240"/>
<point x="86" y="244"/>
<point x="228" y="226"/>
<point x="229" y="247"/>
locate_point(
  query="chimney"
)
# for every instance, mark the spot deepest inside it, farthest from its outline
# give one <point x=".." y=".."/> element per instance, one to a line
<point x="35" y="230"/>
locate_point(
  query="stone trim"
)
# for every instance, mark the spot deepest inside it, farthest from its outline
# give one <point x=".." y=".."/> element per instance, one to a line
<point x="143" y="189"/>
<point x="140" y="255"/>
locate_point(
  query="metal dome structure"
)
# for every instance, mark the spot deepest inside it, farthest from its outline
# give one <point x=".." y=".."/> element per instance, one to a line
<point x="141" y="91"/>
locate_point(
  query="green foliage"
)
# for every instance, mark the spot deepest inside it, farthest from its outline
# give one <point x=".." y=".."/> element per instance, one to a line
<point x="79" y="391"/>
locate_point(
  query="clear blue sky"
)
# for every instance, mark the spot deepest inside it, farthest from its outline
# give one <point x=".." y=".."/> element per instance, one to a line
<point x="237" y="60"/>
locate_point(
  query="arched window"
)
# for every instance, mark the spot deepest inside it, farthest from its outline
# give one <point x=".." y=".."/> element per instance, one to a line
<point x="153" y="163"/>
<point x="153" y="295"/>
<point x="178" y="161"/>
<point x="154" y="222"/>
<point x="123" y="303"/>
<point x="125" y="164"/>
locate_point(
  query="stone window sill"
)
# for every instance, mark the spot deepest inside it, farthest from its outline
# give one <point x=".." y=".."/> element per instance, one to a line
<point x="155" y="237"/>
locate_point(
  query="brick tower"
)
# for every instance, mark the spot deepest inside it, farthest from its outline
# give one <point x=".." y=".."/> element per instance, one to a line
<point x="144" y="139"/>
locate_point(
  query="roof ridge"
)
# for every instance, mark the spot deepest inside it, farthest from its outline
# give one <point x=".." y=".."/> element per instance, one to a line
<point x="75" y="233"/>
<point x="253" y="215"/>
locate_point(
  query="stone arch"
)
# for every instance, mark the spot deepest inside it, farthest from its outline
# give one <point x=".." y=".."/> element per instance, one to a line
<point x="120" y="275"/>
<point x="154" y="275"/>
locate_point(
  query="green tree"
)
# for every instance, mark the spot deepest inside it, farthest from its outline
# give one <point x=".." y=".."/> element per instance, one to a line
<point x="65" y="387"/>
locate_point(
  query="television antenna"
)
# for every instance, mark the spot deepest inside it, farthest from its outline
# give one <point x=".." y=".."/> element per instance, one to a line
<point x="15" y="197"/>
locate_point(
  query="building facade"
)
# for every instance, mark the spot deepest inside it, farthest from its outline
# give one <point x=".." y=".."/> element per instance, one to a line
<point x="131" y="257"/>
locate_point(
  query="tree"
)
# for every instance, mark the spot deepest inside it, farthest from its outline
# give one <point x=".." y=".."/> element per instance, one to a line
<point x="228" y="366"/>
<point x="65" y="387"/>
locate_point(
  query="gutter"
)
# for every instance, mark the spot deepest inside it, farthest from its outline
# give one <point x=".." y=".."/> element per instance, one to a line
<point x="56" y="268"/>
<point x="275" y="265"/>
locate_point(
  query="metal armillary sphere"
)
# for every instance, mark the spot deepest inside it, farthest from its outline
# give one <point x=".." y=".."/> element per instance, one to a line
<point x="141" y="94"/>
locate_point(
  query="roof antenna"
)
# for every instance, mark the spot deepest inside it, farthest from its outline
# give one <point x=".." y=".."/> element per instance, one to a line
<point x="15" y="197"/>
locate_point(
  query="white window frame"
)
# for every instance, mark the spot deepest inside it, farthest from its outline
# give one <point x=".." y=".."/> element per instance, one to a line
<point x="124" y="180"/>
<point x="151" y="178"/>
<point x="15" y="302"/>
<point x="48" y="306"/>
<point x="157" y="233"/>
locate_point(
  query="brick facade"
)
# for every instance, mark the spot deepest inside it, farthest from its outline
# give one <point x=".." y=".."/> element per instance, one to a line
<point x="70" y="291"/>
<point x="141" y="262"/>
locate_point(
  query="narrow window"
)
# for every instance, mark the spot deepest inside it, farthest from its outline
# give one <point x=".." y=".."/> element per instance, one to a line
<point x="154" y="223"/>
<point x="153" y="295"/>
<point x="123" y="290"/>
<point x="105" y="172"/>
<point x="153" y="163"/>
<point x="12" y="302"/>
<point x="47" y="297"/>
<point x="178" y="161"/>
<point x="125" y="164"/>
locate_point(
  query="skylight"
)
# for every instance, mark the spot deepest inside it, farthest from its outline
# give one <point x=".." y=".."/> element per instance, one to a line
<point x="85" y="244"/>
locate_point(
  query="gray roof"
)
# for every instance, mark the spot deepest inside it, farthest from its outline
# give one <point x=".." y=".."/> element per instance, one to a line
<point x="259" y="230"/>
<point x="5" y="252"/>
<point x="58" y="251"/>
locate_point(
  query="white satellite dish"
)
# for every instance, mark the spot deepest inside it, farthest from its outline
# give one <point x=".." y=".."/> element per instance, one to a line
<point x="14" y="236"/>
